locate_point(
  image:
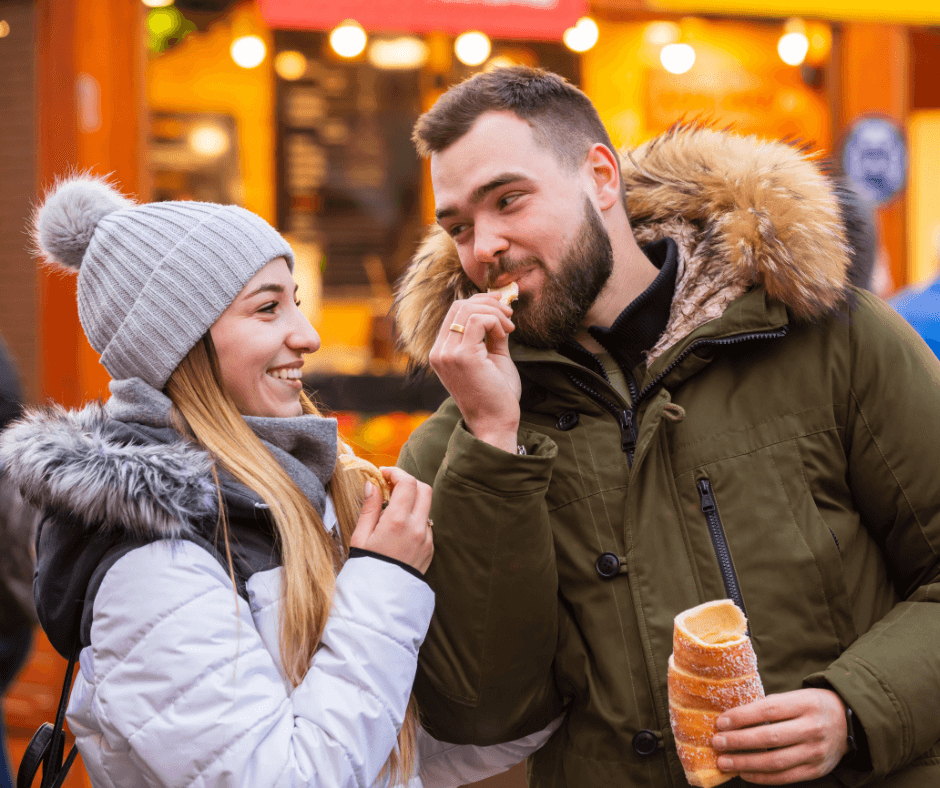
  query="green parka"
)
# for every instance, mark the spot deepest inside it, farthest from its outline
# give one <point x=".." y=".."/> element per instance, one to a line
<point x="781" y="449"/>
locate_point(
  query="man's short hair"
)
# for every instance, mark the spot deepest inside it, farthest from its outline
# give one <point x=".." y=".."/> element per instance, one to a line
<point x="561" y="116"/>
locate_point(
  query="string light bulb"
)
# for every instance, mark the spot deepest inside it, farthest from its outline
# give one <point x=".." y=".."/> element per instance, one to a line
<point x="248" y="51"/>
<point x="677" y="58"/>
<point x="397" y="54"/>
<point x="472" y="48"/>
<point x="794" y="43"/>
<point x="290" y="64"/>
<point x="209" y="141"/>
<point x="582" y="36"/>
<point x="348" y="39"/>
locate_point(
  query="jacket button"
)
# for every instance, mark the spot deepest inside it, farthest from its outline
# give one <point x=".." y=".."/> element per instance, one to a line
<point x="608" y="565"/>
<point x="645" y="743"/>
<point x="567" y="420"/>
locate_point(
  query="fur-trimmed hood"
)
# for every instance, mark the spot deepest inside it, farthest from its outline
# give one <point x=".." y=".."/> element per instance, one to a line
<point x="742" y="211"/>
<point x="147" y="481"/>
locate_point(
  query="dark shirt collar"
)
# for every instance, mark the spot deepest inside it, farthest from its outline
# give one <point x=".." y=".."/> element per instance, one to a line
<point x="641" y="324"/>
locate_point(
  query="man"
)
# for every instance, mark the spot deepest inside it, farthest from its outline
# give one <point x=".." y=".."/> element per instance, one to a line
<point x="686" y="403"/>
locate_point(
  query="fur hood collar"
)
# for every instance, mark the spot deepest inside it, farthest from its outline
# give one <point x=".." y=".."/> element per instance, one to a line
<point x="742" y="211"/>
<point x="107" y="474"/>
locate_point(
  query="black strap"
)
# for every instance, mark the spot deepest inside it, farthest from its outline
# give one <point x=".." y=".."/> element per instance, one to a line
<point x="850" y="730"/>
<point x="48" y="743"/>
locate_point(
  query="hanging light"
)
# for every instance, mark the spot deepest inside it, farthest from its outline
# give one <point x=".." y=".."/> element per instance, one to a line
<point x="794" y="43"/>
<point x="157" y="3"/>
<point x="348" y="39"/>
<point x="582" y="36"/>
<point x="500" y="61"/>
<point x="405" y="52"/>
<point x="662" y="33"/>
<point x="248" y="51"/>
<point x="290" y="64"/>
<point x="677" y="58"/>
<point x="820" y="42"/>
<point x="472" y="48"/>
<point x="792" y="48"/>
<point x="208" y="140"/>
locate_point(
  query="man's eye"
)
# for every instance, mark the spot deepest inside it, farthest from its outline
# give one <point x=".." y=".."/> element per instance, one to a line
<point x="456" y="230"/>
<point x="507" y="199"/>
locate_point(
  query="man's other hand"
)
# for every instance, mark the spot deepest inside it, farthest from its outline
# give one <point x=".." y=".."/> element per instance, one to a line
<point x="801" y="736"/>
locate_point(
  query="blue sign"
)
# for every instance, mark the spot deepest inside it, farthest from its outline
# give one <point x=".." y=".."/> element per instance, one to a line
<point x="874" y="158"/>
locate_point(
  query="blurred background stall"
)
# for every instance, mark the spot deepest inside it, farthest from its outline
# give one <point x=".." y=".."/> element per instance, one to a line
<point x="302" y="112"/>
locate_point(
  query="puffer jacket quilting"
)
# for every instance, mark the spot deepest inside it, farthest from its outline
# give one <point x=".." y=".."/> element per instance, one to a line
<point x="180" y="680"/>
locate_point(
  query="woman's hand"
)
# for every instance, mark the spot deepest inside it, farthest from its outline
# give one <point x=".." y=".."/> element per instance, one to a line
<point x="401" y="530"/>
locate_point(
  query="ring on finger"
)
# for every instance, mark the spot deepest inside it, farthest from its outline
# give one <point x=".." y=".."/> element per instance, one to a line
<point x="457" y="327"/>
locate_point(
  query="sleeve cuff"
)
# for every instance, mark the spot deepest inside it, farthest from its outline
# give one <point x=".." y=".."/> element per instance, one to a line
<point x="855" y="768"/>
<point x="477" y="463"/>
<point x="359" y="552"/>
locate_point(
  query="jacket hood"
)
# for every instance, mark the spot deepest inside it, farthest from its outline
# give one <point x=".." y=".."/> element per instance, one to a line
<point x="744" y="212"/>
<point x="109" y="475"/>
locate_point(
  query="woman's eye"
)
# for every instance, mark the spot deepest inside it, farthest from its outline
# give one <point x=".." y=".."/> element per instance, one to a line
<point x="269" y="307"/>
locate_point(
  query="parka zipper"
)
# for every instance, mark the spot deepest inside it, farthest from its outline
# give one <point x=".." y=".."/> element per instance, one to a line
<point x="626" y="419"/>
<point x="720" y="543"/>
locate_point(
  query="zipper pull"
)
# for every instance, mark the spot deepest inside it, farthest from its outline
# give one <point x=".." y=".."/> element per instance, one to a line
<point x="705" y="492"/>
<point x="627" y="438"/>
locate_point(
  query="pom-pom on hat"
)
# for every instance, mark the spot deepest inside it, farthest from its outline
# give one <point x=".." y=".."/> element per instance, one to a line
<point x="152" y="278"/>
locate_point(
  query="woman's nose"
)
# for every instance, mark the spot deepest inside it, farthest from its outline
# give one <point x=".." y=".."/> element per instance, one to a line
<point x="303" y="337"/>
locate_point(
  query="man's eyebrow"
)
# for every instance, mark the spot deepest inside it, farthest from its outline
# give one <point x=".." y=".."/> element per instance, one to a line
<point x="503" y="179"/>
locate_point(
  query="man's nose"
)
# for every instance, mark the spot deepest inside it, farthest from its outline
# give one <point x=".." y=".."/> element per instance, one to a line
<point x="488" y="244"/>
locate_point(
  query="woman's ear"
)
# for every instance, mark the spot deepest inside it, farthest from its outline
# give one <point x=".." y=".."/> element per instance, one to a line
<point x="604" y="174"/>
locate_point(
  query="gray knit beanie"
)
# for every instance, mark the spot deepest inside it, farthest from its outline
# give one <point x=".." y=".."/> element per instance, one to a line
<point x="152" y="278"/>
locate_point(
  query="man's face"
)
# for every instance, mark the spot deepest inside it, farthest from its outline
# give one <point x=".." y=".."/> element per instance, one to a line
<point x="517" y="214"/>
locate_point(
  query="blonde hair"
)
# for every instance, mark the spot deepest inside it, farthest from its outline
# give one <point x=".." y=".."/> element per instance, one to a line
<point x="310" y="556"/>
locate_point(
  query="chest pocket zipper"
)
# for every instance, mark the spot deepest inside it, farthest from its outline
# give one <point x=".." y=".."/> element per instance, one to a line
<point x="720" y="543"/>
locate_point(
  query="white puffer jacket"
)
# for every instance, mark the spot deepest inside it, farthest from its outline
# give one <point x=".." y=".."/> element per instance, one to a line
<point x="182" y="683"/>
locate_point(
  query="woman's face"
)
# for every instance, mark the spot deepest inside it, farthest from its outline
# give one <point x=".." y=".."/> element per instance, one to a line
<point x="261" y="340"/>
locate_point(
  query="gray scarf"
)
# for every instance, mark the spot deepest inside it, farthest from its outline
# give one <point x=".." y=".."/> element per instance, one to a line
<point x="305" y="446"/>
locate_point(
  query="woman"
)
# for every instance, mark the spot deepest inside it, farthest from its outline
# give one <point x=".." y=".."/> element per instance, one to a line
<point x="247" y="611"/>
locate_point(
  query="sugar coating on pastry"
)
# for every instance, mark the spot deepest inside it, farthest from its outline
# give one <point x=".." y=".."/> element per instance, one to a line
<point x="714" y="694"/>
<point x="713" y="668"/>
<point x="703" y="770"/>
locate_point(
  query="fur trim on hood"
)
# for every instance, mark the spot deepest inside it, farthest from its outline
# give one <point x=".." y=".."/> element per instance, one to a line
<point x="106" y="475"/>
<point x="742" y="211"/>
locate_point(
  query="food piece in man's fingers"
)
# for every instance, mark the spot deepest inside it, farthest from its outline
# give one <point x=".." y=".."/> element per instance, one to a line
<point x="713" y="668"/>
<point x="351" y="462"/>
<point x="506" y="294"/>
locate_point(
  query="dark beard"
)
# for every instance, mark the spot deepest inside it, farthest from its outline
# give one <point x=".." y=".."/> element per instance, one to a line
<point x="567" y="294"/>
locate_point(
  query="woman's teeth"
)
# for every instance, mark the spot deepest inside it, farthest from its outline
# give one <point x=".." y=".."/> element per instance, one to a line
<point x="285" y="374"/>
